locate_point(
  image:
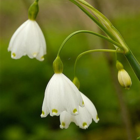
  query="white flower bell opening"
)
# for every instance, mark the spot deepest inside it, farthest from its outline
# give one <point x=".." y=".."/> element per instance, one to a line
<point x="61" y="95"/>
<point x="28" y="40"/>
<point x="83" y="119"/>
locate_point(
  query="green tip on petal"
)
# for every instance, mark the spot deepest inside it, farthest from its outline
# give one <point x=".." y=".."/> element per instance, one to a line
<point x="33" y="10"/>
<point x="54" y="111"/>
<point x="42" y="57"/>
<point x="97" y="117"/>
<point x="13" y="55"/>
<point x="85" y="125"/>
<point x="63" y="124"/>
<point x="75" y="111"/>
<point x="43" y="113"/>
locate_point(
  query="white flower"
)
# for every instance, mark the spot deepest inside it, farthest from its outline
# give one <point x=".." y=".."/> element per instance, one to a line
<point x="28" y="40"/>
<point x="61" y="95"/>
<point x="83" y="119"/>
<point x="124" y="78"/>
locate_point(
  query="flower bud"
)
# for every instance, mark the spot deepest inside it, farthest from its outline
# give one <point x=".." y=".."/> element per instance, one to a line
<point x="58" y="65"/>
<point x="76" y="82"/>
<point x="124" y="79"/>
<point x="123" y="76"/>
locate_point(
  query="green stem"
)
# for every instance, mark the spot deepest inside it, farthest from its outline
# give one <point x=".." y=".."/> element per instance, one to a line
<point x="114" y="35"/>
<point x="134" y="63"/>
<point x="105" y="21"/>
<point x="93" y="18"/>
<point x="86" y="31"/>
<point x="90" y="51"/>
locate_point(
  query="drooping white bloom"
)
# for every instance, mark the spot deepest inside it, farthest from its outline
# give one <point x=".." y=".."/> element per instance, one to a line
<point x="28" y="40"/>
<point x="83" y="119"/>
<point x="61" y="95"/>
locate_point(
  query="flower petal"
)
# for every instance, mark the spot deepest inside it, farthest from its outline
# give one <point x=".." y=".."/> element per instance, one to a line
<point x="65" y="120"/>
<point x="72" y="99"/>
<point x="17" y="42"/>
<point x="76" y="91"/>
<point x="83" y="119"/>
<point x="45" y="110"/>
<point x="41" y="38"/>
<point x="55" y="94"/>
<point x="91" y="108"/>
<point x="16" y="35"/>
<point x="32" y="40"/>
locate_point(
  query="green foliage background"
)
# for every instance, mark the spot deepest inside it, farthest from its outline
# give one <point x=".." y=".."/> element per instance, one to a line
<point x="23" y="81"/>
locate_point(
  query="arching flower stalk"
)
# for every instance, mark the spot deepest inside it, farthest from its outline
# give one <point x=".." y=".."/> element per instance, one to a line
<point x="111" y="32"/>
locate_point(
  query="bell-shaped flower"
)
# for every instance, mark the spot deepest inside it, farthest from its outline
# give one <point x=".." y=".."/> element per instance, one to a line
<point x="83" y="119"/>
<point x="28" y="40"/>
<point x="61" y="95"/>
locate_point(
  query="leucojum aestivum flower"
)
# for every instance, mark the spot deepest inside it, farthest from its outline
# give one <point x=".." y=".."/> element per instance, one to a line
<point x="62" y="96"/>
<point x="28" y="38"/>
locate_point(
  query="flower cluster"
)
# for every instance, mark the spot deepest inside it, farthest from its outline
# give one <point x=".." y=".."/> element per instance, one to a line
<point x="63" y="98"/>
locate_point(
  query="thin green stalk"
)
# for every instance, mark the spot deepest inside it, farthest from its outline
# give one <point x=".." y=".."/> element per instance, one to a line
<point x="90" y="51"/>
<point x="134" y="63"/>
<point x="113" y="34"/>
<point x="105" y="21"/>
<point x="99" y="15"/>
<point x="90" y="32"/>
<point x="93" y="18"/>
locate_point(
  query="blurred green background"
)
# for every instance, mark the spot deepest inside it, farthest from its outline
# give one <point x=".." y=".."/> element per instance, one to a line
<point x="23" y="81"/>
